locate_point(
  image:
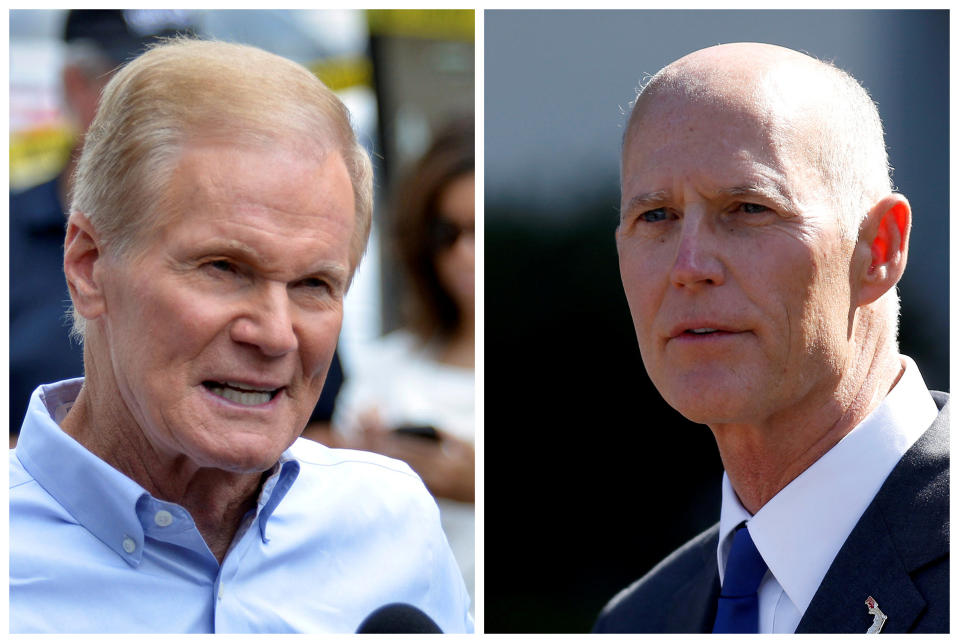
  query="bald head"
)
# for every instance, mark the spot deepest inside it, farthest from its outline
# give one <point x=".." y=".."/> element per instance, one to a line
<point x="825" y="116"/>
<point x="759" y="244"/>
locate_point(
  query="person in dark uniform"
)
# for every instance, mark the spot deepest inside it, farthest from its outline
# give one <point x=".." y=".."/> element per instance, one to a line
<point x="97" y="42"/>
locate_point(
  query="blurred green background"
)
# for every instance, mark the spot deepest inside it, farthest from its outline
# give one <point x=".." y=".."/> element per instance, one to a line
<point x="590" y="478"/>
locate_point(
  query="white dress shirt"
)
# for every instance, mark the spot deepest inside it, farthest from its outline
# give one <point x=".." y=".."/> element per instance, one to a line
<point x="802" y="528"/>
<point x="404" y="381"/>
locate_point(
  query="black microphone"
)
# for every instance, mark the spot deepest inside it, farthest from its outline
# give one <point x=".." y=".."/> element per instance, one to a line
<point x="398" y="618"/>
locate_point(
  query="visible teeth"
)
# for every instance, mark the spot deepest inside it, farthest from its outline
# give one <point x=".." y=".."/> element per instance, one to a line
<point x="703" y="330"/>
<point x="240" y="397"/>
<point x="247" y="387"/>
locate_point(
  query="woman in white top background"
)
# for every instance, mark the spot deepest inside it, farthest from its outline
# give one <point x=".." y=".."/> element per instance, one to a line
<point x="410" y="394"/>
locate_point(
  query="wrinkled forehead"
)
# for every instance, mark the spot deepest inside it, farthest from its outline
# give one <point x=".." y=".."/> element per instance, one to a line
<point x="789" y="98"/>
<point x="718" y="125"/>
<point x="210" y="171"/>
<point x="674" y="126"/>
<point x="662" y="113"/>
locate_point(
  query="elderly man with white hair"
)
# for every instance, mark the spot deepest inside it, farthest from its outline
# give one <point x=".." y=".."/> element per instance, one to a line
<point x="760" y="243"/>
<point x="221" y="206"/>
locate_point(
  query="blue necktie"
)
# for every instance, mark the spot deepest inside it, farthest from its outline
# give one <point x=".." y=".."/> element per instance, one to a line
<point x="738" y="609"/>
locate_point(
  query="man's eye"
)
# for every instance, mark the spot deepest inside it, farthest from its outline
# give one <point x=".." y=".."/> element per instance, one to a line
<point x="314" y="282"/>
<point x="222" y="265"/>
<point x="752" y="208"/>
<point x="653" y="216"/>
<point x="316" y="286"/>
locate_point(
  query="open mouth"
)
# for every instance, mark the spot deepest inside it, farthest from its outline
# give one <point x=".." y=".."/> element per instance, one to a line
<point x="701" y="331"/>
<point x="241" y="393"/>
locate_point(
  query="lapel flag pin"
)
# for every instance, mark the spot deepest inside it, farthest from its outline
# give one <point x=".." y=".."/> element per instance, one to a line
<point x="878" y="617"/>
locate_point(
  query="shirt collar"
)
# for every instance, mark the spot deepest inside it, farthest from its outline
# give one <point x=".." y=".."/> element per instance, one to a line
<point x="797" y="532"/>
<point x="275" y="488"/>
<point x="110" y="505"/>
<point x="98" y="496"/>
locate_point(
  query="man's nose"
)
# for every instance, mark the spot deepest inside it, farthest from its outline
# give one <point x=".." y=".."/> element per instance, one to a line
<point x="267" y="321"/>
<point x="697" y="262"/>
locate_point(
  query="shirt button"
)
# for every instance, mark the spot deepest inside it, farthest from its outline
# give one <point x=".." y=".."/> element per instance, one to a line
<point x="219" y="592"/>
<point x="163" y="518"/>
<point x="129" y="546"/>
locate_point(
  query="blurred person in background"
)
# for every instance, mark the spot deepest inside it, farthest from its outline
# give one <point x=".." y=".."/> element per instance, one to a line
<point x="97" y="42"/>
<point x="411" y="394"/>
<point x="221" y="206"/>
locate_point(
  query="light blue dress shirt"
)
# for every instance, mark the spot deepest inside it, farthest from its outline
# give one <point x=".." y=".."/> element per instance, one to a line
<point x="335" y="535"/>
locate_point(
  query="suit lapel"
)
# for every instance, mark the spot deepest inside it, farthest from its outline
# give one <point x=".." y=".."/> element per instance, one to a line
<point x="867" y="565"/>
<point x="693" y="606"/>
<point x="904" y="528"/>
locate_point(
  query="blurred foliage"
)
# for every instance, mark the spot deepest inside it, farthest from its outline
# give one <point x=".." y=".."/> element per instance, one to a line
<point x="592" y="479"/>
<point x="580" y="448"/>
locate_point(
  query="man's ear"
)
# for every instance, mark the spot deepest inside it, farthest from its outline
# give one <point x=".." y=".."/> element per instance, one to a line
<point x="81" y="251"/>
<point x="884" y="239"/>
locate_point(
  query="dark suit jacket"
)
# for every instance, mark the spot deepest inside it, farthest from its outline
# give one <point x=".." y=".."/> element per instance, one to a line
<point x="897" y="553"/>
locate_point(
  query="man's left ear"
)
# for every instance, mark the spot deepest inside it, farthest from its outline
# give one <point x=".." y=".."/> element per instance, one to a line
<point x="884" y="235"/>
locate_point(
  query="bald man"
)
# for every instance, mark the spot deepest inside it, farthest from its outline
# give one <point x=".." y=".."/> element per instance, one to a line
<point x="760" y="243"/>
